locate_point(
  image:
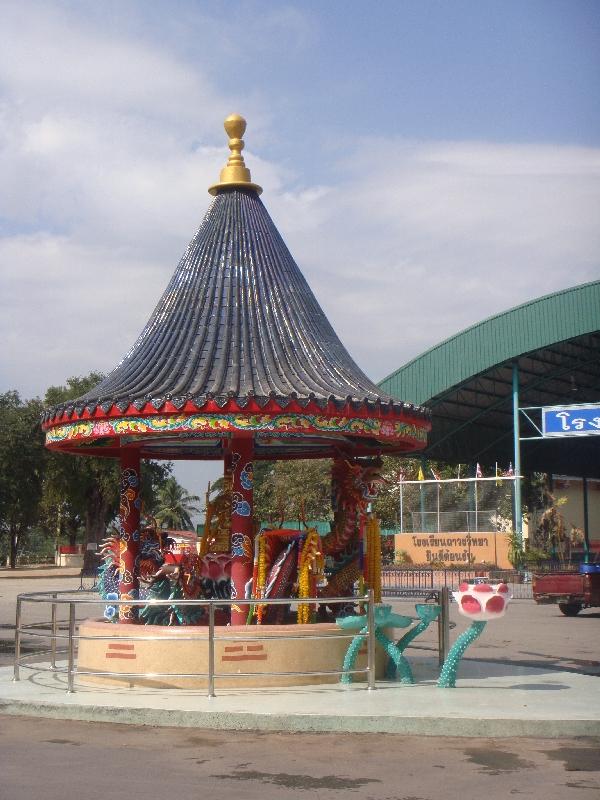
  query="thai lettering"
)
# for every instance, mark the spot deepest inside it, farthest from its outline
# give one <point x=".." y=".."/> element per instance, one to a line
<point x="450" y="541"/>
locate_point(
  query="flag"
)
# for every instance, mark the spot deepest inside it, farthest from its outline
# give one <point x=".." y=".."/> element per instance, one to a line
<point x="478" y="472"/>
<point x="435" y="475"/>
<point x="420" y="476"/>
<point x="510" y="473"/>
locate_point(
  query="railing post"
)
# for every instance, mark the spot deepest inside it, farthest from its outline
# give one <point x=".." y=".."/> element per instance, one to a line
<point x="211" y="650"/>
<point x="54" y="629"/>
<point x="71" y="650"/>
<point x="444" y="625"/>
<point x="16" y="675"/>
<point x="371" y="641"/>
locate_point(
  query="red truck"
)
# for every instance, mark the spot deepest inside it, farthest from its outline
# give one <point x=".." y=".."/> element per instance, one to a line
<point x="571" y="590"/>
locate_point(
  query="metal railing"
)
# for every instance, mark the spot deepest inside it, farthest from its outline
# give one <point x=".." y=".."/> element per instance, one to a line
<point x="398" y="579"/>
<point x="64" y="632"/>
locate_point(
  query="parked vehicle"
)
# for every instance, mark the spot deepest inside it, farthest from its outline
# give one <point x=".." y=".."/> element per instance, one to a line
<point x="571" y="590"/>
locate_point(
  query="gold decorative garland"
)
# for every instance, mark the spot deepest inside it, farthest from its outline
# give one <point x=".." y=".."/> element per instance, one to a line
<point x="373" y="533"/>
<point x="310" y="564"/>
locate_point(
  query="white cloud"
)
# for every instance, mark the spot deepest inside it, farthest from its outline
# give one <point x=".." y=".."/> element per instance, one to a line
<point x="424" y="239"/>
<point x="107" y="145"/>
<point x="62" y="59"/>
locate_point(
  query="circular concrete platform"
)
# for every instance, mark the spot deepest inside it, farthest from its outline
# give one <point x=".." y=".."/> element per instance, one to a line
<point x="150" y="651"/>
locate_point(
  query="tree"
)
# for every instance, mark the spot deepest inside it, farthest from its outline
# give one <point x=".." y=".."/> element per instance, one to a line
<point x="290" y="489"/>
<point x="175" y="505"/>
<point x="81" y="489"/>
<point x="84" y="491"/>
<point x="22" y="461"/>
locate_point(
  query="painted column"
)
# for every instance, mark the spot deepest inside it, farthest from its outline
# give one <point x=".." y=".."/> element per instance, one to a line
<point x="129" y="542"/>
<point x="242" y="525"/>
<point x="518" y="520"/>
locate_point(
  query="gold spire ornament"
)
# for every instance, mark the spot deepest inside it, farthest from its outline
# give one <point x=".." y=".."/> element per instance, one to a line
<point x="236" y="173"/>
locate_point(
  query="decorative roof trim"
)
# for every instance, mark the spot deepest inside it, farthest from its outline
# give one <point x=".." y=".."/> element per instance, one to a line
<point x="244" y="406"/>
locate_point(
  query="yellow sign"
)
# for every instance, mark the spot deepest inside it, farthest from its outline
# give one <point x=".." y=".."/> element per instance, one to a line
<point x="455" y="549"/>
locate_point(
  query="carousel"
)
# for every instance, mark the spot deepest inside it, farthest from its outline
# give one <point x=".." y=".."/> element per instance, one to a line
<point x="237" y="363"/>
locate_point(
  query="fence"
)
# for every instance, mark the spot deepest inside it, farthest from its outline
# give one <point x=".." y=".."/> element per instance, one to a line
<point x="468" y="505"/>
<point x="63" y="636"/>
<point x="396" y="580"/>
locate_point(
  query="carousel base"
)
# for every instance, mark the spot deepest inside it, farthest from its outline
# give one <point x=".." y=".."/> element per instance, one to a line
<point x="247" y="649"/>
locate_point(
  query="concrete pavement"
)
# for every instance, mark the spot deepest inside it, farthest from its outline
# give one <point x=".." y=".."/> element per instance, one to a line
<point x="38" y="571"/>
<point x="532" y="673"/>
<point x="490" y="699"/>
<point x="54" y="759"/>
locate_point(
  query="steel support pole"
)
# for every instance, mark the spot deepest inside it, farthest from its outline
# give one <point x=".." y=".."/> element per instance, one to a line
<point x="16" y="675"/>
<point x="422" y="497"/>
<point x="371" y="641"/>
<point x="444" y="625"/>
<point x="401" y="508"/>
<point x="211" y="650"/>
<point x="586" y="523"/>
<point x="71" y="651"/>
<point x="54" y="630"/>
<point x="518" y="511"/>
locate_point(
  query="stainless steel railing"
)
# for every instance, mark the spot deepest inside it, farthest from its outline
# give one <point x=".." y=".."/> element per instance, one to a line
<point x="65" y="632"/>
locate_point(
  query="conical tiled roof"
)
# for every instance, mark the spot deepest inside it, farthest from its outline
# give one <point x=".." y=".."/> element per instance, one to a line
<point x="238" y="319"/>
<point x="238" y="328"/>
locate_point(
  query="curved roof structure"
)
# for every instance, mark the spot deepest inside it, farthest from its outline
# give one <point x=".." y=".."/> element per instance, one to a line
<point x="237" y="333"/>
<point x="237" y="320"/>
<point x="466" y="381"/>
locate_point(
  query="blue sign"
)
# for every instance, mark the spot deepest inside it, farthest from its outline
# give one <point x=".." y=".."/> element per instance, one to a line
<point x="582" y="420"/>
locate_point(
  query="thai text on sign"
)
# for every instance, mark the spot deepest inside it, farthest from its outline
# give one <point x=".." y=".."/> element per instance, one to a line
<point x="579" y="420"/>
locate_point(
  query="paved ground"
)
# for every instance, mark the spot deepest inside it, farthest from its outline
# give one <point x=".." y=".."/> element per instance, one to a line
<point x="41" y="758"/>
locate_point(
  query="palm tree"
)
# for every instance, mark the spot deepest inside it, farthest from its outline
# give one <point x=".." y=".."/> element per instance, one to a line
<point x="175" y="505"/>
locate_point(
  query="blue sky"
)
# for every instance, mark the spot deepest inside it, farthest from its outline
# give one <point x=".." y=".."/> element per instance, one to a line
<point x="428" y="163"/>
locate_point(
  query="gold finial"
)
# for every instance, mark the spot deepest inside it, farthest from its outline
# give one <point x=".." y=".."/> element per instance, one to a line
<point x="236" y="173"/>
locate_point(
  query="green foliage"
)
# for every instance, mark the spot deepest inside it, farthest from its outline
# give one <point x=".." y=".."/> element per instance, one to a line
<point x="48" y="497"/>
<point x="175" y="506"/>
<point x="79" y="493"/>
<point x="402" y="557"/>
<point x="516" y="553"/>
<point x="535" y="555"/>
<point x="22" y="461"/>
<point x="292" y="489"/>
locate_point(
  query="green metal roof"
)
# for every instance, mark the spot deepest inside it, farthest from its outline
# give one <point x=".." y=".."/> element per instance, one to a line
<point x="467" y="381"/>
<point x="503" y="337"/>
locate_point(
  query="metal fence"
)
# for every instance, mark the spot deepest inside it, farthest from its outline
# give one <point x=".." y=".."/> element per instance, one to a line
<point x="396" y="580"/>
<point x="59" y="636"/>
<point x="455" y="505"/>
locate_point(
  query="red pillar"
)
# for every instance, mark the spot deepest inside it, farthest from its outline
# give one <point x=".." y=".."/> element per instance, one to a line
<point x="129" y="542"/>
<point x="242" y="529"/>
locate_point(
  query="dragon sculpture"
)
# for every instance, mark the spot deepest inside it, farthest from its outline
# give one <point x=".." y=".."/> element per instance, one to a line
<point x="354" y="485"/>
<point x="292" y="563"/>
<point x="165" y="575"/>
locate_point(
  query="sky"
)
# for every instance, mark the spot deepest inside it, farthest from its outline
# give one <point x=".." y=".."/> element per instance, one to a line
<point x="429" y="164"/>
